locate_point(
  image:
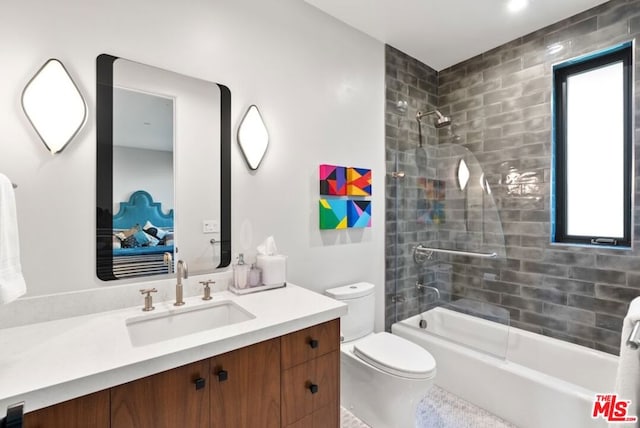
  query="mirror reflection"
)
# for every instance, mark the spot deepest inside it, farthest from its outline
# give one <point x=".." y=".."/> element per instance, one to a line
<point x="142" y="183"/>
<point x="163" y="171"/>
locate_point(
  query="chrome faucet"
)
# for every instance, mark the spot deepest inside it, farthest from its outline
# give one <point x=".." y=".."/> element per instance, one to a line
<point x="182" y="272"/>
<point x="428" y="287"/>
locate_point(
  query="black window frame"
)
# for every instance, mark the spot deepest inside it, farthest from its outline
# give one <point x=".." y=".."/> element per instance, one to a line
<point x="561" y="73"/>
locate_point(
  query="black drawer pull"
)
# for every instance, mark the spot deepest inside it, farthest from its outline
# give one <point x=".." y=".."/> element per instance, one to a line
<point x="222" y="375"/>
<point x="313" y="343"/>
<point x="15" y="416"/>
<point x="200" y="383"/>
<point x="313" y="388"/>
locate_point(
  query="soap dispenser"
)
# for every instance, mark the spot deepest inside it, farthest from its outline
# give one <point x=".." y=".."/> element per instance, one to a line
<point x="240" y="273"/>
<point x="255" y="276"/>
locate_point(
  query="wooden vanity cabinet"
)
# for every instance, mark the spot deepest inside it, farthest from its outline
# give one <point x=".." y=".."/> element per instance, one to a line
<point x="289" y="381"/>
<point x="175" y="398"/>
<point x="87" y="411"/>
<point x="245" y="387"/>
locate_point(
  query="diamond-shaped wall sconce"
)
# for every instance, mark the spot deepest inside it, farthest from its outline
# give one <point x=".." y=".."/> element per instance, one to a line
<point x="253" y="137"/>
<point x="54" y="106"/>
<point x="463" y="174"/>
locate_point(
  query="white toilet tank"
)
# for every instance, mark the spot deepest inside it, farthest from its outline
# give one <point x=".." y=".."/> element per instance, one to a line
<point x="360" y="298"/>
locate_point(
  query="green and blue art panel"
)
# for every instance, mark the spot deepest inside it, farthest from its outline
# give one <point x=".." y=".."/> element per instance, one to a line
<point x="333" y="214"/>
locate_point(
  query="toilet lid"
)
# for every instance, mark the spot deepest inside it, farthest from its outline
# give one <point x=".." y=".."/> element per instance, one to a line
<point x="396" y="355"/>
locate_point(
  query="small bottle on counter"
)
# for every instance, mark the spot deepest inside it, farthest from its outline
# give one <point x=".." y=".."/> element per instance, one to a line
<point x="255" y="276"/>
<point x="240" y="273"/>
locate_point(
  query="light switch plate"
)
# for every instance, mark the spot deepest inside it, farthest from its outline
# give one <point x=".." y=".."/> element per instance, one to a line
<point x="210" y="226"/>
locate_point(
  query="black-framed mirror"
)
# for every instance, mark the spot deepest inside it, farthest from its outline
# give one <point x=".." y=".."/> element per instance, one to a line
<point x="163" y="171"/>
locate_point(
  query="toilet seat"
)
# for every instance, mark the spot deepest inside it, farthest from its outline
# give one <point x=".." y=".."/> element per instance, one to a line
<point x="396" y="355"/>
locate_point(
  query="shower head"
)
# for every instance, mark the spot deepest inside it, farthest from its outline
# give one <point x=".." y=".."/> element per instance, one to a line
<point x="439" y="122"/>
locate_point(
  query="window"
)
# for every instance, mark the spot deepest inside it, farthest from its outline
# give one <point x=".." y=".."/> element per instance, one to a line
<point x="592" y="173"/>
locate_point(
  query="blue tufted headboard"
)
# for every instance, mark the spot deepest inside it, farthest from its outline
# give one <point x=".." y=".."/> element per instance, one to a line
<point x="139" y="209"/>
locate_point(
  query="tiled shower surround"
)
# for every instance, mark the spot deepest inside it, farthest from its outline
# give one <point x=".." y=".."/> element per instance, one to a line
<point x="500" y="106"/>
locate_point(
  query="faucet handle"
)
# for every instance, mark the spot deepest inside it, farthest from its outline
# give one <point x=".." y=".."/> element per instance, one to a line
<point x="148" y="299"/>
<point x="207" y="288"/>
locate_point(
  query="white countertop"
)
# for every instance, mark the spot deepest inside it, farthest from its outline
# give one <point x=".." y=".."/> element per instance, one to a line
<point x="50" y="362"/>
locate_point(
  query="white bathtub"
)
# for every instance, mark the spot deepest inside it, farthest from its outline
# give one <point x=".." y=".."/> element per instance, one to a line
<point x="530" y="380"/>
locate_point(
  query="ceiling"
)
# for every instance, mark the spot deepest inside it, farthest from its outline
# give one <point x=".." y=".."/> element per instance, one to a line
<point x="444" y="33"/>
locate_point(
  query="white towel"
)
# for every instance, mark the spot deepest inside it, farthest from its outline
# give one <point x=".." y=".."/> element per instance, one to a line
<point x="628" y="376"/>
<point x="12" y="283"/>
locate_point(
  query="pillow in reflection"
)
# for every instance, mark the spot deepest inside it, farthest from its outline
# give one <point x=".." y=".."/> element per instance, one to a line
<point x="130" y="242"/>
<point x="142" y="239"/>
<point x="152" y="240"/>
<point x="154" y="230"/>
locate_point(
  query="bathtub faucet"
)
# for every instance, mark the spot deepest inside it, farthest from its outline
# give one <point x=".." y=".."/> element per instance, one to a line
<point x="428" y="287"/>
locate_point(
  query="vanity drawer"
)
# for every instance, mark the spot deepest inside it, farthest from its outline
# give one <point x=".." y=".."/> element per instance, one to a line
<point x="310" y="387"/>
<point x="304" y="345"/>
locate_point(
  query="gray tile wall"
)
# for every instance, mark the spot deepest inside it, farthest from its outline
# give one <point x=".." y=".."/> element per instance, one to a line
<point x="407" y="79"/>
<point x="500" y="105"/>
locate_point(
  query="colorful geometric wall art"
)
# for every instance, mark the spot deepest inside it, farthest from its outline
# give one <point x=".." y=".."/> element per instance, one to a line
<point x="333" y="214"/>
<point x="358" y="213"/>
<point x="358" y="181"/>
<point x="431" y="201"/>
<point x="338" y="212"/>
<point x="333" y="180"/>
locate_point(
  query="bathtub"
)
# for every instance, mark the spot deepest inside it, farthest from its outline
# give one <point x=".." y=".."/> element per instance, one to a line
<point x="530" y="380"/>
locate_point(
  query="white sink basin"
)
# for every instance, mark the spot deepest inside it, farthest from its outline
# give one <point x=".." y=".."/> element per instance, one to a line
<point x="152" y="328"/>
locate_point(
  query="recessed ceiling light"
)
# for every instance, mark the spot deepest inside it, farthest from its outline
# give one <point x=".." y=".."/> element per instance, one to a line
<point x="515" y="6"/>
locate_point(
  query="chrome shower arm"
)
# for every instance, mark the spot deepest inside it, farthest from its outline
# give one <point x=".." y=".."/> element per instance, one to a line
<point x="420" y="114"/>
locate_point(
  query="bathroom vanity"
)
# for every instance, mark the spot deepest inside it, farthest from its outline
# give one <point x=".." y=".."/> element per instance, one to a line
<point x="280" y="368"/>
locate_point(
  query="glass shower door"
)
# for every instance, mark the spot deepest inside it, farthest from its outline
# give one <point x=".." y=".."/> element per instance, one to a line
<point x="448" y="245"/>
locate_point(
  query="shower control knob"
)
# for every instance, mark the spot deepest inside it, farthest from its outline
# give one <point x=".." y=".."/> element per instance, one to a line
<point x="313" y="343"/>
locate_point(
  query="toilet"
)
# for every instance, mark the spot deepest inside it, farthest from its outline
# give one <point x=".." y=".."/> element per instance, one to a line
<point x="383" y="376"/>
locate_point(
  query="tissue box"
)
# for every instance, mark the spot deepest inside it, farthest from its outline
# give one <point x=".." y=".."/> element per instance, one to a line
<point x="274" y="269"/>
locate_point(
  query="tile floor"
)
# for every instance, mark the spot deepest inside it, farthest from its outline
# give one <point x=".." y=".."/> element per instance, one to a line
<point x="441" y="409"/>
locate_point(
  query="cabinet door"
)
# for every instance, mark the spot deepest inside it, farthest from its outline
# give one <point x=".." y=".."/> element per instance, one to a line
<point x="327" y="417"/>
<point x="245" y="387"/>
<point x="88" y="411"/>
<point x="175" y="398"/>
<point x="312" y="387"/>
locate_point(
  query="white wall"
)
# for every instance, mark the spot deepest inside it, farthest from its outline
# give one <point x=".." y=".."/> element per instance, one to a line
<point x="142" y="169"/>
<point x="319" y="86"/>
